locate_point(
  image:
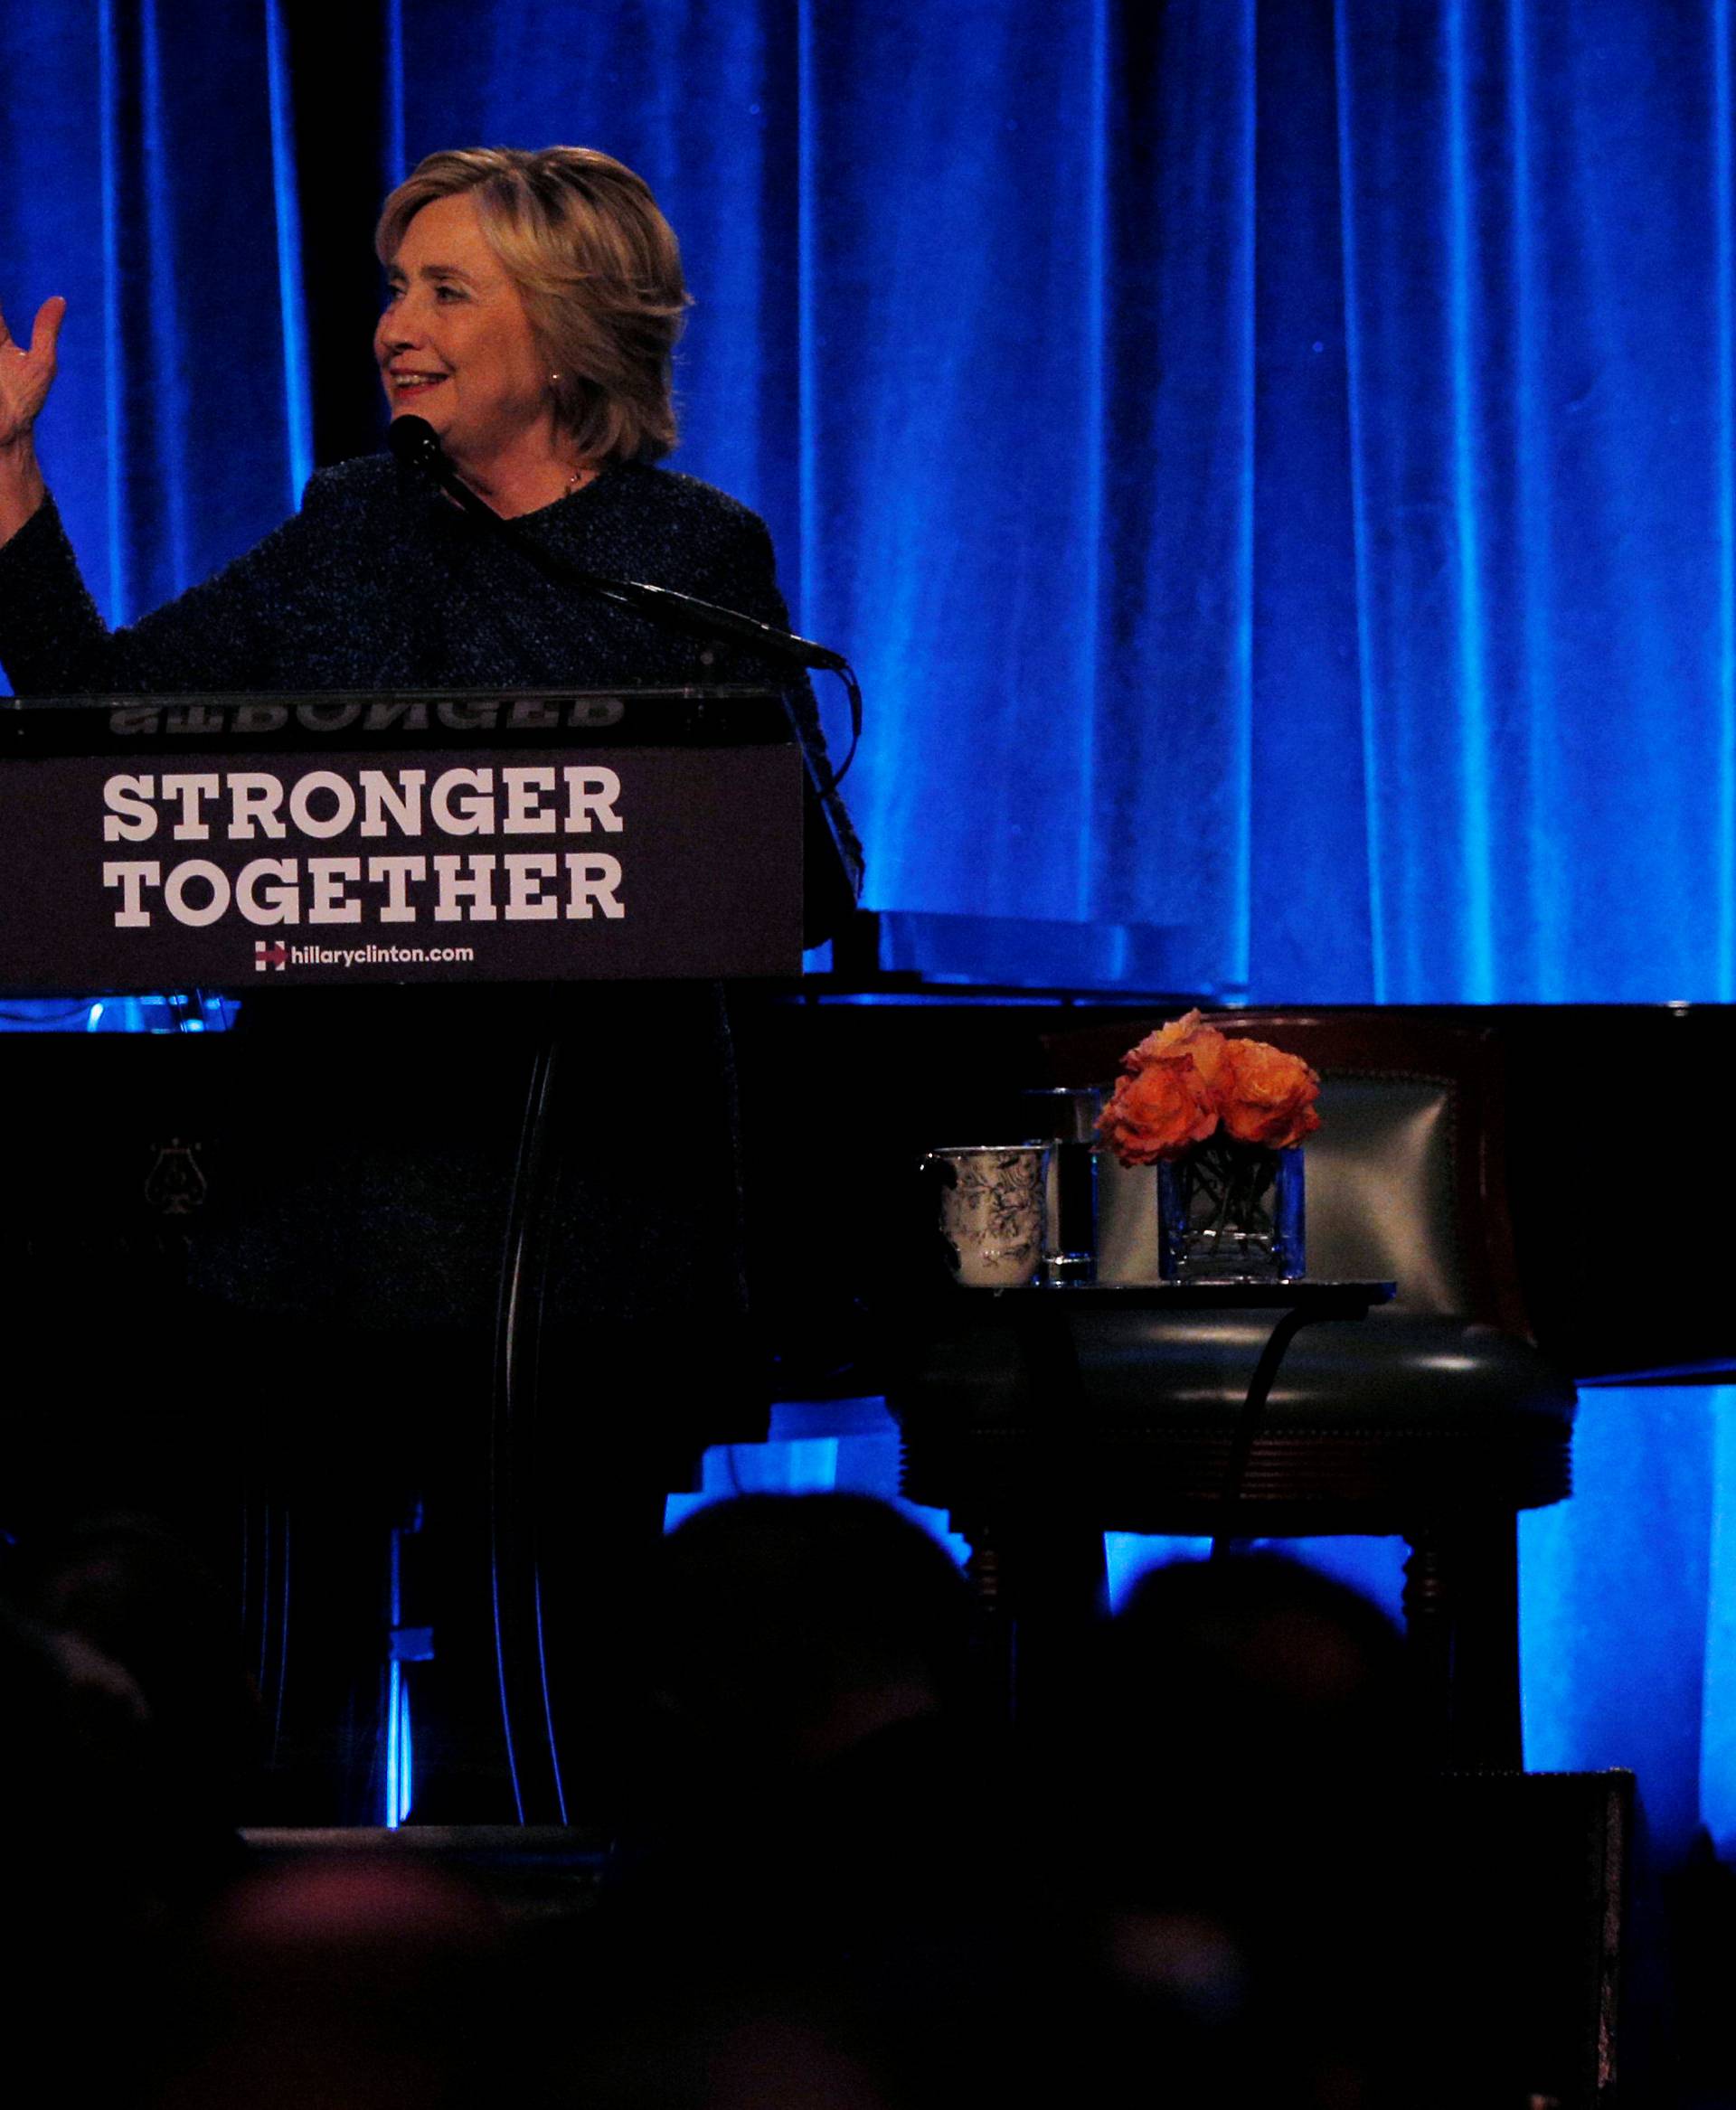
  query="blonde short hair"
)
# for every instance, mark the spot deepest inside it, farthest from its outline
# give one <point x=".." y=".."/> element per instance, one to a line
<point x="598" y="269"/>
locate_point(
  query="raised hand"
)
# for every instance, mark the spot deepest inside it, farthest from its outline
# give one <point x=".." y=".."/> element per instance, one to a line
<point x="27" y="372"/>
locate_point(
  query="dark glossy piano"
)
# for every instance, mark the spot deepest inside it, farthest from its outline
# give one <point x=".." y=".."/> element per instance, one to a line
<point x="135" y="1160"/>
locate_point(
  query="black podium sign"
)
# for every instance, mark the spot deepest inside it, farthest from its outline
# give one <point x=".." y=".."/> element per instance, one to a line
<point x="582" y="849"/>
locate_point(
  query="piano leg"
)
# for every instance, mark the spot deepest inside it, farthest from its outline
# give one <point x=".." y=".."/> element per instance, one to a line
<point x="1461" y="1608"/>
<point x="1041" y="1586"/>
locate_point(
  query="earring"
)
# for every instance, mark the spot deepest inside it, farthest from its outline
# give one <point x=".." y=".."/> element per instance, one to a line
<point x="554" y="380"/>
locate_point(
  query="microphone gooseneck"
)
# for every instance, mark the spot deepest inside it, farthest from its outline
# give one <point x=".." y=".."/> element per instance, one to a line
<point x="414" y="442"/>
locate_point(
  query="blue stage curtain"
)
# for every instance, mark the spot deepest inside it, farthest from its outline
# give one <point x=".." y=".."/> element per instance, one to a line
<point x="1271" y="461"/>
<point x="1272" y="464"/>
<point x="146" y="176"/>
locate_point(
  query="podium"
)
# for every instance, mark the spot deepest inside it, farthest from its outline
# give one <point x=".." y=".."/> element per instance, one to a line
<point x="477" y="939"/>
<point x="516" y="836"/>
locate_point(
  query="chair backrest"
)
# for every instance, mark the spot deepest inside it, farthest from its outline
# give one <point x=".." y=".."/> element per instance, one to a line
<point x="1379" y="1193"/>
<point x="1404" y="1176"/>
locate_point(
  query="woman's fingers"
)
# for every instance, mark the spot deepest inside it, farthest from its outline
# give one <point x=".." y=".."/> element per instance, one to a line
<point x="26" y="374"/>
<point x="45" y="331"/>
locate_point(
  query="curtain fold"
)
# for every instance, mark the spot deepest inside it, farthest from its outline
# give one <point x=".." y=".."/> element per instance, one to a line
<point x="139" y="176"/>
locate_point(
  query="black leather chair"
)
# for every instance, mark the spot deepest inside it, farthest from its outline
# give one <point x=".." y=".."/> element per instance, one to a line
<point x="1040" y="1427"/>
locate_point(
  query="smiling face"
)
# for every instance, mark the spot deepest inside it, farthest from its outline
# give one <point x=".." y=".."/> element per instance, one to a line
<point x="455" y="345"/>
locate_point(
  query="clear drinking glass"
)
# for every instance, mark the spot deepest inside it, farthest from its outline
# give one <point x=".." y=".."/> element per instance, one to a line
<point x="1068" y="1115"/>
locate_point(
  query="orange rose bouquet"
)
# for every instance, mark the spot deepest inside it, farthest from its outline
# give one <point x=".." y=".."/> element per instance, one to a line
<point x="1221" y="1117"/>
<point x="1183" y="1084"/>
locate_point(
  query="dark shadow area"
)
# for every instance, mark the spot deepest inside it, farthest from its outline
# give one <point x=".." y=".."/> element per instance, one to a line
<point x="835" y="1874"/>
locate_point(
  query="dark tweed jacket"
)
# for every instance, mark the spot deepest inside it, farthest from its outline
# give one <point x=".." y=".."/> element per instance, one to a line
<point x="378" y="583"/>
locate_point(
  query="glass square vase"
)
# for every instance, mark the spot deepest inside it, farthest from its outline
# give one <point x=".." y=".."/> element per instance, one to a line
<point x="1230" y="1212"/>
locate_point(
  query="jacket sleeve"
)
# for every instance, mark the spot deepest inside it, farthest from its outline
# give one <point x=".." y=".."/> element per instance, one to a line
<point x="226" y="634"/>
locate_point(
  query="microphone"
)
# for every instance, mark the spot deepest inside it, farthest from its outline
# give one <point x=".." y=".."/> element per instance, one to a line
<point x="415" y="443"/>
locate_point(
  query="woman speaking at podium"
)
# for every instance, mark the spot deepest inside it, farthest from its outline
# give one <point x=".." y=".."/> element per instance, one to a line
<point x="532" y="305"/>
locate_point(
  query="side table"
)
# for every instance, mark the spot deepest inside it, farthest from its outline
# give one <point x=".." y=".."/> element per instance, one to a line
<point x="1039" y="1418"/>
